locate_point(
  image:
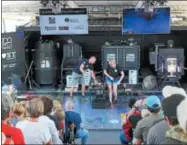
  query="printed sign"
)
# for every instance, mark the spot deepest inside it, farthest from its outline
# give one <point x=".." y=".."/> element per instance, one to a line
<point x="130" y="57"/>
<point x="63" y="24"/>
<point x="6" y="43"/>
<point x="12" y="54"/>
<point x="111" y="57"/>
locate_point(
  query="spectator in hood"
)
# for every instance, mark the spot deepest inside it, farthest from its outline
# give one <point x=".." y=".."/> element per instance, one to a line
<point x="175" y="134"/>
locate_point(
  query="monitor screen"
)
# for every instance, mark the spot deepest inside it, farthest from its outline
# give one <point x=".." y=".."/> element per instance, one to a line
<point x="146" y="21"/>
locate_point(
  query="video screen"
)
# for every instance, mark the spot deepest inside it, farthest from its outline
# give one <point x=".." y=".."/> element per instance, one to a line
<point x="142" y="21"/>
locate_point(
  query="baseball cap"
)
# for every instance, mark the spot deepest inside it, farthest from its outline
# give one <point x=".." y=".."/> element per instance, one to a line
<point x="153" y="102"/>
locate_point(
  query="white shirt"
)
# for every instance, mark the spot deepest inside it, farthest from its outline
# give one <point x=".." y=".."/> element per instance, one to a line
<point x="34" y="132"/>
<point x="52" y="128"/>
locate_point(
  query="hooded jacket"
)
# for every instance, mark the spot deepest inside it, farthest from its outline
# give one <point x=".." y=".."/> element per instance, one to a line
<point x="176" y="135"/>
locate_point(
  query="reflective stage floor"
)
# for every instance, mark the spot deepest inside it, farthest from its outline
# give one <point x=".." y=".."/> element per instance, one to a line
<point x="99" y="119"/>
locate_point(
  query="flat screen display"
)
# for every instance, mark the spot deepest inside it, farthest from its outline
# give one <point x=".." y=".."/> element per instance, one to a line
<point x="142" y="21"/>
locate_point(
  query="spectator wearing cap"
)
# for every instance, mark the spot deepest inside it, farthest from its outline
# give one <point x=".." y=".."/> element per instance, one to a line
<point x="175" y="134"/>
<point x="153" y="105"/>
<point x="10" y="135"/>
<point x="157" y="132"/>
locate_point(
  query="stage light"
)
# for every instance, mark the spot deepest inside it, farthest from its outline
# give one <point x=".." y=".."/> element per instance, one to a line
<point x="171" y="66"/>
<point x="169" y="63"/>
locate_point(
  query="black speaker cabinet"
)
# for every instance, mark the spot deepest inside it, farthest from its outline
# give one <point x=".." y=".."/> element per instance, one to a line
<point x="127" y="57"/>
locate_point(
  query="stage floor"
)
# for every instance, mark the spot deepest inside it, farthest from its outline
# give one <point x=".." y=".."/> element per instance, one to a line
<point x="97" y="119"/>
<point x="108" y="118"/>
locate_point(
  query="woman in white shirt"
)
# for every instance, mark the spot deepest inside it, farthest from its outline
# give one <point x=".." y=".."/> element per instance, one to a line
<point x="33" y="130"/>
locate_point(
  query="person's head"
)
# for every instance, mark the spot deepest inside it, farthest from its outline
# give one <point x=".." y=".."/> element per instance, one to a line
<point x="112" y="63"/>
<point x="92" y="60"/>
<point x="60" y="115"/>
<point x="18" y="109"/>
<point x="182" y="114"/>
<point x="69" y="105"/>
<point x="169" y="107"/>
<point x="153" y="104"/>
<point x="7" y="103"/>
<point x="34" y="108"/>
<point x="57" y="105"/>
<point x="167" y="91"/>
<point x="48" y="104"/>
<point x="131" y="102"/>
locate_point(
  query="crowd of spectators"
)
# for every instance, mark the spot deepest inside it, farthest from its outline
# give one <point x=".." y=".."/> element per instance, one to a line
<point x="152" y="121"/>
<point x="41" y="120"/>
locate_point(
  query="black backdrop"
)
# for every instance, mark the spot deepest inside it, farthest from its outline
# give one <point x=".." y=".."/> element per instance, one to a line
<point x="12" y="55"/>
<point x="92" y="43"/>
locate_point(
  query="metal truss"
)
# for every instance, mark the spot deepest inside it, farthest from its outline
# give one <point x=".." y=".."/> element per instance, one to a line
<point x="106" y="8"/>
<point x="34" y="9"/>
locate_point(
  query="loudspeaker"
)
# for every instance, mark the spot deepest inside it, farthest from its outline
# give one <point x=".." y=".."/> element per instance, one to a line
<point x="100" y="101"/>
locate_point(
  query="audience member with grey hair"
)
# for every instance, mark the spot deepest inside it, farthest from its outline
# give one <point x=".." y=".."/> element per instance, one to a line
<point x="69" y="105"/>
<point x="34" y="131"/>
<point x="15" y="135"/>
<point x="75" y="117"/>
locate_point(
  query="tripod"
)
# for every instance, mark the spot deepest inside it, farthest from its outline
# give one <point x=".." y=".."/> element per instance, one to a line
<point x="173" y="79"/>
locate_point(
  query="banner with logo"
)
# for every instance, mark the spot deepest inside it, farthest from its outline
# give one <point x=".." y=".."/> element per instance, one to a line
<point x="12" y="55"/>
<point x="63" y="24"/>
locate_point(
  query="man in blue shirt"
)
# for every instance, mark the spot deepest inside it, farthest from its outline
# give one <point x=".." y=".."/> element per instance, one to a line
<point x="75" y="118"/>
<point x="79" y="71"/>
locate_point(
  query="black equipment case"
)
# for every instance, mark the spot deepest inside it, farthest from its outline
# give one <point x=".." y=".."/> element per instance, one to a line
<point x="127" y="57"/>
